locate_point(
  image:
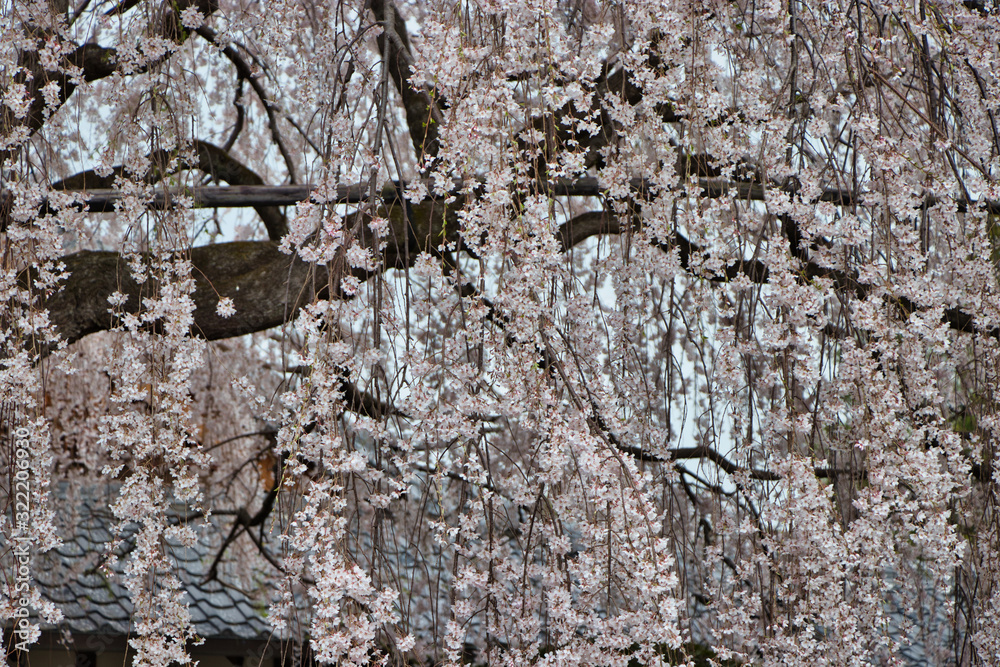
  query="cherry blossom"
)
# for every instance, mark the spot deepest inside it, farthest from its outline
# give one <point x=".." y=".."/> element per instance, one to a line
<point x="525" y="332"/>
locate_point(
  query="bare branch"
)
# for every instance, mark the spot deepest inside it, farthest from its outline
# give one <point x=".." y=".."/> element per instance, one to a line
<point x="246" y="72"/>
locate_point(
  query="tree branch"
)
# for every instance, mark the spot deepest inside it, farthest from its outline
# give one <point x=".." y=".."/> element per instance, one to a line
<point x="595" y="223"/>
<point x="560" y="128"/>
<point x="246" y="72"/>
<point x="88" y="62"/>
<point x="423" y="115"/>
<point x="268" y="287"/>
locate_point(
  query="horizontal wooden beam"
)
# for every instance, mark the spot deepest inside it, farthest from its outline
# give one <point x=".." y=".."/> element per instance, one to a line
<point x="235" y="196"/>
<point x="242" y="196"/>
<point x="104" y="201"/>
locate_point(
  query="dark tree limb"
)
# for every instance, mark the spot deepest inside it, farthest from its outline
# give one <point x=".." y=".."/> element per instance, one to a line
<point x="267" y="288"/>
<point x="423" y="114"/>
<point x="559" y="128"/>
<point x="244" y="521"/>
<point x="703" y="452"/>
<point x="103" y="200"/>
<point x="246" y="73"/>
<point x="596" y="223"/>
<point x="266" y="285"/>
<point x="357" y="400"/>
<point x="363" y="403"/>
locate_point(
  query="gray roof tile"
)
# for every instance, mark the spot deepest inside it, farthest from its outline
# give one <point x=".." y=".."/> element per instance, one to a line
<point x="73" y="578"/>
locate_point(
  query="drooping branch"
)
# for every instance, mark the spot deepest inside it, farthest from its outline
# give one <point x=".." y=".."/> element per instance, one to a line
<point x="89" y="62"/>
<point x="268" y="287"/>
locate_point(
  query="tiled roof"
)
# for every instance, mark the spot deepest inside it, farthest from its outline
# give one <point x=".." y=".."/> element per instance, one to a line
<point x="92" y="602"/>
